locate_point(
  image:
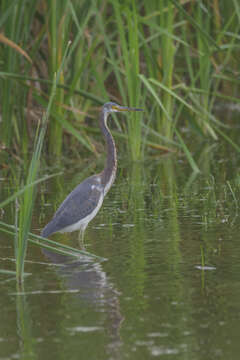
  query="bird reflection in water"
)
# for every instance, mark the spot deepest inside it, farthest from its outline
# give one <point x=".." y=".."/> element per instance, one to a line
<point x="89" y="284"/>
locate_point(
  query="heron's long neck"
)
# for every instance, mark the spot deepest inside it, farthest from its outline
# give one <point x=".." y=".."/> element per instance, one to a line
<point x="110" y="168"/>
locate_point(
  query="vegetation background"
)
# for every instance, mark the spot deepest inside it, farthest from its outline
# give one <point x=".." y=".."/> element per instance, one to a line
<point x="179" y="60"/>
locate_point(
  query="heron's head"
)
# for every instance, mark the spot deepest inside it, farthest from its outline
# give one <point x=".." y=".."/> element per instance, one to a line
<point x="113" y="107"/>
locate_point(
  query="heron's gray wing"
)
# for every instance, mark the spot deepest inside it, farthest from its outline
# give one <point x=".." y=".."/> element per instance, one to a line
<point x="80" y="203"/>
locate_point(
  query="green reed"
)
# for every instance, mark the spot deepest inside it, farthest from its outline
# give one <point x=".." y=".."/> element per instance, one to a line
<point x="26" y="202"/>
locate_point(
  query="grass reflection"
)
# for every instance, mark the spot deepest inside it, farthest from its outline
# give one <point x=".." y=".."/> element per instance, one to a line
<point x="135" y="271"/>
<point x="27" y="342"/>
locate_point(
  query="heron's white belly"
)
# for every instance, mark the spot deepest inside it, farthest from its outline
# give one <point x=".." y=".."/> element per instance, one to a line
<point x="82" y="224"/>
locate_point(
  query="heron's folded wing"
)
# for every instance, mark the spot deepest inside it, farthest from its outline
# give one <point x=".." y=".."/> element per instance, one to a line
<point x="80" y="203"/>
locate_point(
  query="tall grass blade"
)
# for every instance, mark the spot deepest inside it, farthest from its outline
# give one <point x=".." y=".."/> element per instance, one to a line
<point x="187" y="153"/>
<point x="129" y="43"/>
<point x="27" y="202"/>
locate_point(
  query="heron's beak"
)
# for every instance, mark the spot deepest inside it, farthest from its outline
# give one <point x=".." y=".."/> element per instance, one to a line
<point x="125" y="108"/>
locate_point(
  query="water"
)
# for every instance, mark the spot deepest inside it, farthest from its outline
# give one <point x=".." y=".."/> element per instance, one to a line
<point x="170" y="288"/>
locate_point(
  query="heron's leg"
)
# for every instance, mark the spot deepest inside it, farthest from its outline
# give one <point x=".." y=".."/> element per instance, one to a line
<point x="81" y="238"/>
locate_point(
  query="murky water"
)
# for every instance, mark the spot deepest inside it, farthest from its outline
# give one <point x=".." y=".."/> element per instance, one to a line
<point x="170" y="288"/>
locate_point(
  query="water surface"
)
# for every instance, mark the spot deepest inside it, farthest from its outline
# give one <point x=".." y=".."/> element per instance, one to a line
<point x="169" y="289"/>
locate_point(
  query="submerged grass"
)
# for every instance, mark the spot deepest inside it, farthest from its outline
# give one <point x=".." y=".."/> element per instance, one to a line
<point x="49" y="244"/>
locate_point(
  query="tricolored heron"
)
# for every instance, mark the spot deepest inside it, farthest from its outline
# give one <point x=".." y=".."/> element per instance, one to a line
<point x="84" y="202"/>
